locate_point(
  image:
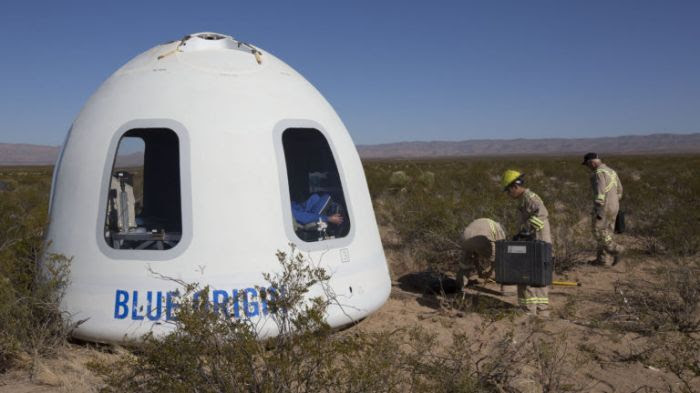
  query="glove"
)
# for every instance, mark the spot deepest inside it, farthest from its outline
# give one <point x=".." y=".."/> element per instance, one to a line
<point x="524" y="235"/>
<point x="599" y="211"/>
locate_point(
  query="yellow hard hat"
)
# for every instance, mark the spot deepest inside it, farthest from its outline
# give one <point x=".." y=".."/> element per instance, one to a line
<point x="509" y="177"/>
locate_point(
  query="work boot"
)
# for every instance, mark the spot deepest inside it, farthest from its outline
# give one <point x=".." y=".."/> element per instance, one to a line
<point x="617" y="255"/>
<point x="605" y="258"/>
<point x="529" y="312"/>
<point x="599" y="258"/>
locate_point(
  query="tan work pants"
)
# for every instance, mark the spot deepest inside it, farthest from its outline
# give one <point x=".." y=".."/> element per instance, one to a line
<point x="603" y="229"/>
<point x="534" y="300"/>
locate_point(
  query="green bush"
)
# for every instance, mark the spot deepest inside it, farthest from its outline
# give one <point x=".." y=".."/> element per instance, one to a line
<point x="31" y="282"/>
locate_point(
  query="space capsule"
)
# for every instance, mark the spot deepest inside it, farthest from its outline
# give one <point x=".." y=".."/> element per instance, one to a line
<point x="198" y="160"/>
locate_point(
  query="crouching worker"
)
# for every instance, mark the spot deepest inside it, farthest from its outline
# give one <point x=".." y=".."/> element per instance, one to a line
<point x="532" y="220"/>
<point x="479" y="252"/>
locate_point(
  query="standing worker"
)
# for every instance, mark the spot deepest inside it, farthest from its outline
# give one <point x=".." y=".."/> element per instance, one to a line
<point x="607" y="192"/>
<point x="479" y="252"/>
<point x="534" y="222"/>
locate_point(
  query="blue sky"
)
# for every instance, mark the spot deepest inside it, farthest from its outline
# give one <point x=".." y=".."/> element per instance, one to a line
<point x="393" y="70"/>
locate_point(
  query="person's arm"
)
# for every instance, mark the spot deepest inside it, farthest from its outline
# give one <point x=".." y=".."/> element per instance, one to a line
<point x="537" y="213"/>
<point x="304" y="217"/>
<point x="601" y="184"/>
<point x="619" y="188"/>
<point x="336" y="219"/>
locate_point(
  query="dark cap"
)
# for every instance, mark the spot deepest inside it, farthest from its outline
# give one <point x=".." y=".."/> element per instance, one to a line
<point x="588" y="157"/>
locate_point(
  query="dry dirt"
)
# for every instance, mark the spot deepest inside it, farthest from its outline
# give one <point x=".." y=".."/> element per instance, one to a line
<point x="594" y="355"/>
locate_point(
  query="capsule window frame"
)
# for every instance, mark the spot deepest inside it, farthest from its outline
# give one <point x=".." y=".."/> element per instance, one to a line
<point x="185" y="193"/>
<point x="285" y="198"/>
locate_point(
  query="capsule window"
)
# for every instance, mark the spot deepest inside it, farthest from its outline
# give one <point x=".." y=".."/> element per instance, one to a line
<point x="144" y="209"/>
<point x="318" y="206"/>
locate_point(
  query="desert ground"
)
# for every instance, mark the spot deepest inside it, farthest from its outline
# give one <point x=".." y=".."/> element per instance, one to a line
<point x="634" y="327"/>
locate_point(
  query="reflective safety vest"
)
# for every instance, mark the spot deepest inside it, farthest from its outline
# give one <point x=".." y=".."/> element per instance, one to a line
<point x="496" y="231"/>
<point x="603" y="181"/>
<point x="484" y="227"/>
<point x="532" y="207"/>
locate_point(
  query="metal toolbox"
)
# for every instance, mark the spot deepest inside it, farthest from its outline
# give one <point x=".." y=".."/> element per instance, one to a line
<point x="524" y="262"/>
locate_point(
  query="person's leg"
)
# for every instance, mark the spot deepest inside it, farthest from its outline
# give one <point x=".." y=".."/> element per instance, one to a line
<point x="599" y="254"/>
<point x="609" y="247"/>
<point x="467" y="268"/>
<point x="524" y="295"/>
<point x="606" y="243"/>
<point x="612" y="247"/>
<point x="601" y="237"/>
<point x="541" y="300"/>
<point x="459" y="278"/>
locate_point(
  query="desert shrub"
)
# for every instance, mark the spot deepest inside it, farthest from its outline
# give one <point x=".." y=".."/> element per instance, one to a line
<point x="432" y="208"/>
<point x="680" y="354"/>
<point x="399" y="179"/>
<point x="30" y="319"/>
<point x="677" y="353"/>
<point x="660" y="201"/>
<point x="430" y="212"/>
<point x="573" y="241"/>
<point x="553" y="364"/>
<point x="210" y="352"/>
<point x="670" y="303"/>
<point x="531" y="360"/>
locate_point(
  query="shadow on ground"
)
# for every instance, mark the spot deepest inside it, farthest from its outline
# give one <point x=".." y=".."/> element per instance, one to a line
<point x="440" y="291"/>
<point x="427" y="283"/>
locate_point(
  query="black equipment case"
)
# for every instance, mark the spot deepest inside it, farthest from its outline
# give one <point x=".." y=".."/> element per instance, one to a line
<point x="620" y="222"/>
<point x="524" y="262"/>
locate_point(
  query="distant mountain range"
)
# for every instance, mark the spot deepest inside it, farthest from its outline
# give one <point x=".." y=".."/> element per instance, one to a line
<point x="20" y="154"/>
<point x="655" y="143"/>
<point x="23" y="154"/>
